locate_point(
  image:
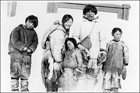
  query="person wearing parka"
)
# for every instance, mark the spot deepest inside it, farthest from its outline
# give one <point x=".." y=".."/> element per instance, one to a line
<point x="72" y="66"/>
<point x="116" y="62"/>
<point x="22" y="44"/>
<point x="90" y="27"/>
<point x="53" y="43"/>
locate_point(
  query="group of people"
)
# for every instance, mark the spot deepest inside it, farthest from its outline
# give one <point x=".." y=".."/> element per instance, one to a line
<point x="68" y="59"/>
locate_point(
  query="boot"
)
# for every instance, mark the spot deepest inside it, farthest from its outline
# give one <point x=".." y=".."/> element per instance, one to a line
<point x="106" y="84"/>
<point x="14" y="85"/>
<point x="114" y="90"/>
<point x="106" y="91"/>
<point x="24" y="85"/>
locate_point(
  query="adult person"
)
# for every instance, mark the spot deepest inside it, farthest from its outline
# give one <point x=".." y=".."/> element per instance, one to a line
<point x="89" y="30"/>
<point x="53" y="43"/>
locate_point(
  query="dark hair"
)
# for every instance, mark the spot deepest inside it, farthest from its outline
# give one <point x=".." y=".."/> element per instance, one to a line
<point x="72" y="40"/>
<point x="88" y="8"/>
<point x="115" y="30"/>
<point x="33" y="19"/>
<point x="66" y="17"/>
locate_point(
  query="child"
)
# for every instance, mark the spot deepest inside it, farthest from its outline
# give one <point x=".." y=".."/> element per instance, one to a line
<point x="117" y="58"/>
<point x="72" y="63"/>
<point x="23" y="42"/>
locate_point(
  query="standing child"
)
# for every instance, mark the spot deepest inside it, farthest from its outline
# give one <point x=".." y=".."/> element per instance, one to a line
<point x="72" y="63"/>
<point x="117" y="59"/>
<point x="22" y="43"/>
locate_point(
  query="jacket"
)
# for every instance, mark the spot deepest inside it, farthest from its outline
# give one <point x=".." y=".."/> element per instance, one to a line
<point x="22" y="37"/>
<point x="83" y="29"/>
<point x="117" y="56"/>
<point x="56" y="37"/>
<point x="73" y="59"/>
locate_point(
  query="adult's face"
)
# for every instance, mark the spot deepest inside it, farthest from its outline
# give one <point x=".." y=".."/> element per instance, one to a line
<point x="90" y="15"/>
<point x="68" y="24"/>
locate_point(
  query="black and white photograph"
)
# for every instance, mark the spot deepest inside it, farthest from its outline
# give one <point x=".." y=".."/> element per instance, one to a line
<point x="70" y="46"/>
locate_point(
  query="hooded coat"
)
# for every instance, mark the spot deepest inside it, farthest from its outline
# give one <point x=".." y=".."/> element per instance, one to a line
<point x="22" y="37"/>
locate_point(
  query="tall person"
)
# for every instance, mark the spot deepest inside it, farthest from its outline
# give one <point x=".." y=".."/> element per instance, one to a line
<point x="53" y="43"/>
<point x="90" y="38"/>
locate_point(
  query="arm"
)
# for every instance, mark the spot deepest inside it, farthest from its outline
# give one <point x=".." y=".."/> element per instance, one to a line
<point x="16" y="40"/>
<point x="47" y="33"/>
<point x="94" y="50"/>
<point x="98" y="42"/>
<point x="57" y="42"/>
<point x="102" y="42"/>
<point x="76" y="33"/>
<point x="125" y="54"/>
<point x="34" y="44"/>
<point x="79" y="59"/>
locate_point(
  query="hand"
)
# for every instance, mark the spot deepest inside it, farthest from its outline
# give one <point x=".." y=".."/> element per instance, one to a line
<point x="29" y="50"/>
<point x="50" y="75"/>
<point x="43" y="46"/>
<point x="87" y="51"/>
<point x="25" y="48"/>
<point x="92" y="63"/>
<point x="56" y="22"/>
<point x="126" y="64"/>
<point x="78" y="70"/>
<point x="103" y="54"/>
<point x="57" y="66"/>
<point x="101" y="58"/>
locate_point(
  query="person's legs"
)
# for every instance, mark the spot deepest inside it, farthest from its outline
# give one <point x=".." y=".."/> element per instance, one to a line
<point x="14" y="84"/>
<point x="115" y="90"/>
<point x="15" y="68"/>
<point x="106" y="82"/>
<point x="49" y="84"/>
<point x="115" y="81"/>
<point x="25" y="73"/>
<point x="52" y="84"/>
<point x="24" y="85"/>
<point x="55" y="80"/>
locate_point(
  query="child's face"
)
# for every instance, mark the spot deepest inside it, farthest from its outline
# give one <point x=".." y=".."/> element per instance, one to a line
<point x="68" y="24"/>
<point x="29" y="25"/>
<point x="117" y="35"/>
<point x="70" y="45"/>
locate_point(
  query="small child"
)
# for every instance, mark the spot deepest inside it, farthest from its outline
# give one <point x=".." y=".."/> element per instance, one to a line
<point x="72" y="64"/>
<point x="117" y="59"/>
<point x="23" y="42"/>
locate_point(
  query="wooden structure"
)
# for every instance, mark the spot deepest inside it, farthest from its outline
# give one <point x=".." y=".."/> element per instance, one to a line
<point x="121" y="10"/>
